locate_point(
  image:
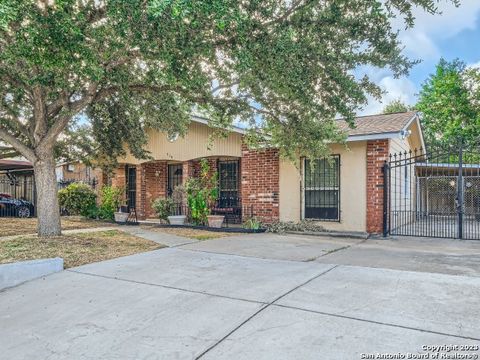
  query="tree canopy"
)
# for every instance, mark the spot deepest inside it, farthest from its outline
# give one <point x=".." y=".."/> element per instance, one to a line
<point x="284" y="67"/>
<point x="396" y="106"/>
<point x="450" y="104"/>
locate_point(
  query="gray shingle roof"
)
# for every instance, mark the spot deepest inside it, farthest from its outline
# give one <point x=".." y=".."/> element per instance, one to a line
<point x="378" y="124"/>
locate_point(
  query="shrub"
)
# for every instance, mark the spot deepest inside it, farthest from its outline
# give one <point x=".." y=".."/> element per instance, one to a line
<point x="111" y="198"/>
<point x="163" y="207"/>
<point x="202" y="193"/>
<point x="77" y="199"/>
<point x="303" y="226"/>
<point x="252" y="224"/>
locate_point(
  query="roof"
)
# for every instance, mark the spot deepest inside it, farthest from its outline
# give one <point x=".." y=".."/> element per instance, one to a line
<point x="379" y="124"/>
<point x="15" y="165"/>
<point x="370" y="127"/>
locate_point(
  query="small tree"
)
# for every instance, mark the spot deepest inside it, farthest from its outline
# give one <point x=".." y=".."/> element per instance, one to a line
<point x="202" y="193"/>
<point x="110" y="200"/>
<point x="450" y="104"/>
<point x="396" y="106"/>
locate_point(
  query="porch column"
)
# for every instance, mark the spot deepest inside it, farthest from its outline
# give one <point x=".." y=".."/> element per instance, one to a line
<point x="153" y="186"/>
<point x="260" y="183"/>
<point x="377" y="154"/>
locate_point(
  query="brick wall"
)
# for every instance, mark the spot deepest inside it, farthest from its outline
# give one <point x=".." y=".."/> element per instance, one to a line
<point x="260" y="182"/>
<point x="377" y="154"/>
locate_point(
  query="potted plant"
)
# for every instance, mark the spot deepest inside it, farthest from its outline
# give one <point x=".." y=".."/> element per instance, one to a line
<point x="164" y="208"/>
<point x="202" y="194"/>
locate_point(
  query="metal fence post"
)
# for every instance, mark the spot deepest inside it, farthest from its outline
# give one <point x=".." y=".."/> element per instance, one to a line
<point x="386" y="173"/>
<point x="460" y="190"/>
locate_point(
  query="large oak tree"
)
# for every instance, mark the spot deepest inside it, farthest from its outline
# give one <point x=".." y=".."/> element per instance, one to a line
<point x="286" y="67"/>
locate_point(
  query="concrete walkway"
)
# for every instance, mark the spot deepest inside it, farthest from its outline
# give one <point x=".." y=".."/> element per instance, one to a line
<point x="273" y="246"/>
<point x="169" y="240"/>
<point x="196" y="301"/>
<point x="189" y="304"/>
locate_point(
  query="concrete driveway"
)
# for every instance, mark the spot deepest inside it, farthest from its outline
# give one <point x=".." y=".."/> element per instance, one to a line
<point x="205" y="301"/>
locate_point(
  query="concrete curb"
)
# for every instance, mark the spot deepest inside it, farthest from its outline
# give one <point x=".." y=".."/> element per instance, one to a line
<point x="19" y="272"/>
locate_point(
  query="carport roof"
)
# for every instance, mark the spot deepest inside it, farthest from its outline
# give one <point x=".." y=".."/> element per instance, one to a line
<point x="15" y="165"/>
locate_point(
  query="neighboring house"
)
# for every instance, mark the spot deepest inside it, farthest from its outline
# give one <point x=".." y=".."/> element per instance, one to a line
<point x="77" y="171"/>
<point x="343" y="194"/>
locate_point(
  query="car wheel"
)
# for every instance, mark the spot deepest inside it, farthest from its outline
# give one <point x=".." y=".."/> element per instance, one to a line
<point x="23" y="212"/>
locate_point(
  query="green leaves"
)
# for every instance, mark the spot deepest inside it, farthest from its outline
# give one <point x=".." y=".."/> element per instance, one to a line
<point x="284" y="67"/>
<point x="449" y="104"/>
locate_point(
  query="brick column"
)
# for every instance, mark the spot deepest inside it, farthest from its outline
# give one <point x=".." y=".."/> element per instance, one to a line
<point x="118" y="177"/>
<point x="377" y="154"/>
<point x="260" y="180"/>
<point x="153" y="186"/>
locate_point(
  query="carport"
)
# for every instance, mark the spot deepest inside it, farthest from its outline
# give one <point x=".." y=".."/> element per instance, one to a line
<point x="433" y="194"/>
<point x="16" y="182"/>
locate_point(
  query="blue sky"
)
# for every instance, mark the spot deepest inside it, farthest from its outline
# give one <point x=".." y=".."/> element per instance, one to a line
<point x="454" y="34"/>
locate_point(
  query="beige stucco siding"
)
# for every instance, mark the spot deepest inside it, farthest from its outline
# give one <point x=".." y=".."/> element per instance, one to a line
<point x="353" y="189"/>
<point x="290" y="199"/>
<point x="194" y="145"/>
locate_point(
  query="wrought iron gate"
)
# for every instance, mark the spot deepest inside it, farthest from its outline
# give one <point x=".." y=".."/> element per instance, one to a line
<point x="433" y="194"/>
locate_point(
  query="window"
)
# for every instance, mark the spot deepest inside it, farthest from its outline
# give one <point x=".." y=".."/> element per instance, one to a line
<point x="228" y="183"/>
<point x="322" y="189"/>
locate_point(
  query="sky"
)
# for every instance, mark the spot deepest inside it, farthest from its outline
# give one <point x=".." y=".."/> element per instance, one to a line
<point x="453" y="34"/>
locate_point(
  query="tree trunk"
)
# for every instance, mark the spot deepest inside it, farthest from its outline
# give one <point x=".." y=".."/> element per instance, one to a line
<point x="47" y="208"/>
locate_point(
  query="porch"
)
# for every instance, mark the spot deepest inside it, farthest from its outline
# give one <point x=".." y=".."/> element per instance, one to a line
<point x="148" y="181"/>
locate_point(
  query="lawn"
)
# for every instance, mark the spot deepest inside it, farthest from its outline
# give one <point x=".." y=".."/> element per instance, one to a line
<point x="75" y="249"/>
<point x="197" y="234"/>
<point x="16" y="226"/>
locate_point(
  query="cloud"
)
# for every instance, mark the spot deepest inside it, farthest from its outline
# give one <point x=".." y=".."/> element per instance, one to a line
<point x="474" y="65"/>
<point x="420" y="40"/>
<point x="402" y="89"/>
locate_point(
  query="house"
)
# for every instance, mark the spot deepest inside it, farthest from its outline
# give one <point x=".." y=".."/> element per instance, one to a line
<point x="344" y="194"/>
<point x="68" y="172"/>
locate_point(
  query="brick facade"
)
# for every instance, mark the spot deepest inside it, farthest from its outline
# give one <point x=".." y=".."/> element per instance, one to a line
<point x="377" y="154"/>
<point x="260" y="182"/>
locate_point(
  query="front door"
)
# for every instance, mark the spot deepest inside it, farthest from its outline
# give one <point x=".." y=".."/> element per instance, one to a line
<point x="131" y="176"/>
<point x="175" y="174"/>
<point x="228" y="183"/>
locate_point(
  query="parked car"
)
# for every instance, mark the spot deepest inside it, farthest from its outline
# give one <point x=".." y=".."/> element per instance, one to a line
<point x="10" y="206"/>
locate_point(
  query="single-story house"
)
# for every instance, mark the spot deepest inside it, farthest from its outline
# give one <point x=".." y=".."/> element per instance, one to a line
<point x="345" y="194"/>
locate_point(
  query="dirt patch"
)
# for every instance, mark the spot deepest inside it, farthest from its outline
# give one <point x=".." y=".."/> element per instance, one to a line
<point x="75" y="249"/>
<point x="15" y="226"/>
<point x="193" y="233"/>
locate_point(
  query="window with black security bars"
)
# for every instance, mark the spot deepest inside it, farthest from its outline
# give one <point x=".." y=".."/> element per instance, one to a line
<point x="322" y="189"/>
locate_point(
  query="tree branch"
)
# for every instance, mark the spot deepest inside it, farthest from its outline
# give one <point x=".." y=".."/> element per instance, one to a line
<point x="295" y="6"/>
<point x="17" y="145"/>
<point x="39" y="114"/>
<point x="73" y="108"/>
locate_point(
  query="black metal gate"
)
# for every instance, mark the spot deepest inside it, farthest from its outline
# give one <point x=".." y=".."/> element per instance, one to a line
<point x="433" y="194"/>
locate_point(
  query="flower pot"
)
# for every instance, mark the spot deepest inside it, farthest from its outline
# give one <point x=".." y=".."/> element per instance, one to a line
<point x="121" y="217"/>
<point x="177" y="219"/>
<point x="215" y="221"/>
